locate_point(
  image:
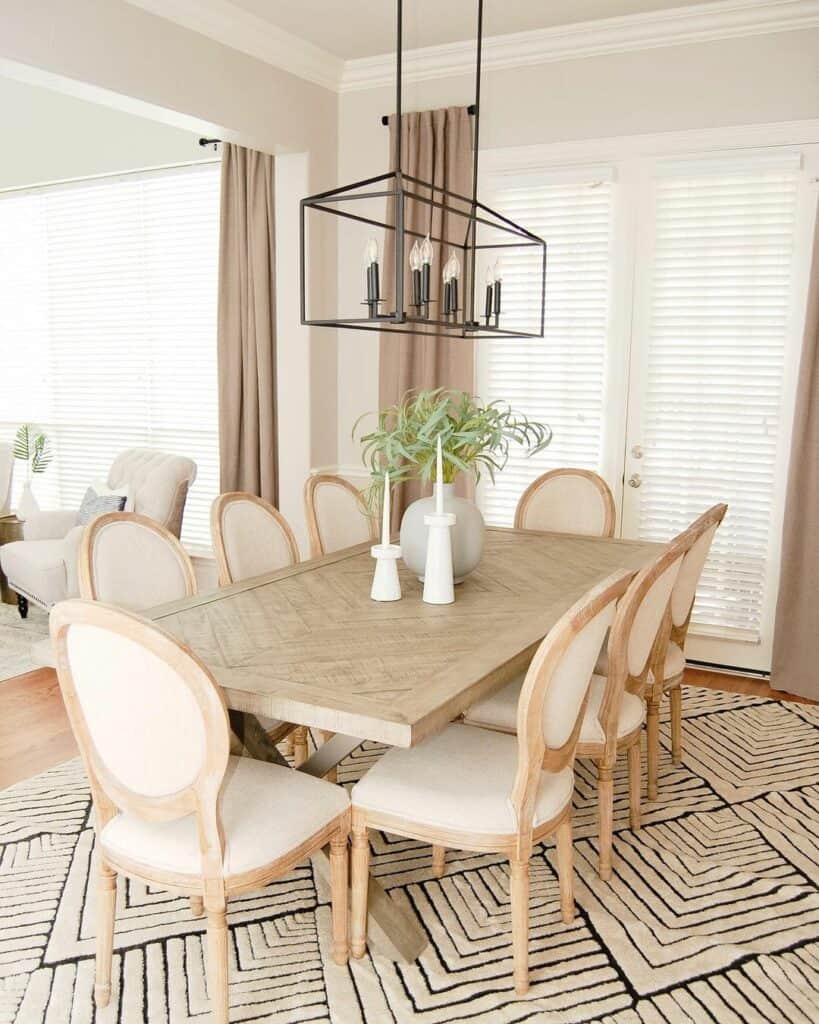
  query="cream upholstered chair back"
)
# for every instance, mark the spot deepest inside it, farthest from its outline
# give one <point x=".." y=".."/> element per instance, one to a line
<point x="700" y="535"/>
<point x="130" y="561"/>
<point x="158" y="484"/>
<point x="555" y="690"/>
<point x="250" y="537"/>
<point x="336" y="517"/>
<point x="567" y="501"/>
<point x="127" y="687"/>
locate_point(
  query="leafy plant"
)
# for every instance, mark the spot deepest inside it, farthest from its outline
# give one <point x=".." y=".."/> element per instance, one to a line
<point x="32" y="446"/>
<point x="475" y="438"/>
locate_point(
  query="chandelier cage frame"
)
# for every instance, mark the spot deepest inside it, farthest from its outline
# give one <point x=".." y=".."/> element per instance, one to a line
<point x="397" y="188"/>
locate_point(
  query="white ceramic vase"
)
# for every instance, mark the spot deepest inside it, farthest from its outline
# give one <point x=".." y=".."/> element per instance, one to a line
<point x="467" y="533"/>
<point x="28" y="504"/>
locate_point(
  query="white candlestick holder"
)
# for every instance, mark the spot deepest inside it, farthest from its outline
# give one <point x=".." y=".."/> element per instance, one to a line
<point x="386" y="584"/>
<point x="439" y="587"/>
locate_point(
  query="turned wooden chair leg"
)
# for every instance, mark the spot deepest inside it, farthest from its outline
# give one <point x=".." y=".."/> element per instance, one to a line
<point x="217" y="961"/>
<point x="338" y="889"/>
<point x="565" y="869"/>
<point x="676" y="724"/>
<point x="438" y="861"/>
<point x="197" y="906"/>
<point x="635" y="784"/>
<point x="605" y="804"/>
<point x="360" y="884"/>
<point x="106" y="912"/>
<point x="652" y="746"/>
<point x="299" y="735"/>
<point x="520" y="923"/>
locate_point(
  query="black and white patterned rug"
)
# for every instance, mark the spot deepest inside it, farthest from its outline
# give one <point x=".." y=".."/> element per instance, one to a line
<point x="712" y="913"/>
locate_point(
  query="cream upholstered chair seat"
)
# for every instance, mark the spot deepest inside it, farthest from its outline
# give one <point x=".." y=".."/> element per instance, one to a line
<point x="460" y="779"/>
<point x="267" y="810"/>
<point x="674" y="662"/>
<point x="499" y="711"/>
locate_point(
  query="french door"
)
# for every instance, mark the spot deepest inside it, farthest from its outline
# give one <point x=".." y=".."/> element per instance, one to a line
<point x="685" y="372"/>
<point x="715" y="338"/>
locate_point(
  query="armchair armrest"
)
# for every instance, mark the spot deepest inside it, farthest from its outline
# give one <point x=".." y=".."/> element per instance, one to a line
<point x="71" y="550"/>
<point x="48" y="525"/>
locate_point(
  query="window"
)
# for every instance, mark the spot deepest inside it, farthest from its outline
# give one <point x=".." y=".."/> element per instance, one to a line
<point x="674" y="309"/>
<point x="561" y="380"/>
<point x="108" y="318"/>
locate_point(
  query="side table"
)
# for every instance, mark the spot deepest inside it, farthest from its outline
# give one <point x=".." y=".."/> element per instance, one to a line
<point x="11" y="528"/>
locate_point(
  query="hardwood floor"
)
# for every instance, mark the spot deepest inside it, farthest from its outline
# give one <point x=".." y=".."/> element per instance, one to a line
<point x="35" y="734"/>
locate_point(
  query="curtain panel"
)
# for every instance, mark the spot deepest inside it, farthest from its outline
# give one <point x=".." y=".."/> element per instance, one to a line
<point x="246" y="336"/>
<point x="436" y="146"/>
<point x="796" y="638"/>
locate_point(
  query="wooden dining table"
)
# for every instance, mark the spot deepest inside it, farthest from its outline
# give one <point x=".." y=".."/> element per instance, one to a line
<point x="307" y="645"/>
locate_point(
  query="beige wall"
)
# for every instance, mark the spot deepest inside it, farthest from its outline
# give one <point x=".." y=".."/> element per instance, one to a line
<point x="111" y="52"/>
<point x="754" y="80"/>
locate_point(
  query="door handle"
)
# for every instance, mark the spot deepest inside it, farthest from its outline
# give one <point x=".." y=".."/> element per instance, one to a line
<point x="635" y="480"/>
<point x="637" y="451"/>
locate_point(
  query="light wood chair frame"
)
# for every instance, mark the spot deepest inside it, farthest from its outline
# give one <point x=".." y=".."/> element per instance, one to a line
<point x="211" y="888"/>
<point x="311" y="485"/>
<point x="675" y="633"/>
<point x="85" y="555"/>
<point x="295" y="735"/>
<point x="217" y="516"/>
<point x="532" y="757"/>
<point x="534" y="488"/>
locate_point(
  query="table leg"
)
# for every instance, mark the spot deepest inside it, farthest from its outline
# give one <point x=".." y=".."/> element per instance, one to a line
<point x="393" y="933"/>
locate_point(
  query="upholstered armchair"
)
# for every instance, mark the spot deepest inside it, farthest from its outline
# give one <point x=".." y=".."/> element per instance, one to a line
<point x="43" y="566"/>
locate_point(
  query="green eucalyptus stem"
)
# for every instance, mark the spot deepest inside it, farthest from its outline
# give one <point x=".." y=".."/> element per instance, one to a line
<point x="475" y="438"/>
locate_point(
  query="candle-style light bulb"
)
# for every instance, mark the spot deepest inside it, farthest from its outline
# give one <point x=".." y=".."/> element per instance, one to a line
<point x="455" y="273"/>
<point x="371" y="252"/>
<point x="490" y="281"/>
<point x="456" y="265"/>
<point x="415" y="256"/>
<point x="385" y="511"/>
<point x="490" y="277"/>
<point x="426" y="250"/>
<point x="498" y="272"/>
<point x="439" y="480"/>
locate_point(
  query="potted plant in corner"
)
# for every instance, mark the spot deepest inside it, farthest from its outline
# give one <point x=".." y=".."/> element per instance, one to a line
<point x="31" y="445"/>
<point x="475" y="438"/>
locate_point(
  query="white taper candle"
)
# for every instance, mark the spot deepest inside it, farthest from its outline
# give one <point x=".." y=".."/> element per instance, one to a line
<point x="439" y="479"/>
<point x="385" y="511"/>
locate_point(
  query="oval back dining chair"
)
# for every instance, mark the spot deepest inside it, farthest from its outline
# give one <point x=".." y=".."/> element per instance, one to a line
<point x="336" y="517"/>
<point x="172" y="809"/>
<point x="669" y="664"/>
<point x="250" y="537"/>
<point x="131" y="561"/>
<point x="567" y="500"/>
<point x="491" y="792"/>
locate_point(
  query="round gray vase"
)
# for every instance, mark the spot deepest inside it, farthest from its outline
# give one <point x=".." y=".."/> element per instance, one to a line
<point x="467" y="534"/>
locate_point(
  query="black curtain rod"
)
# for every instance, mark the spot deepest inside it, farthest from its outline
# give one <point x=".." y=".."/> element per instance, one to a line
<point x="210" y="142"/>
<point x="471" y="110"/>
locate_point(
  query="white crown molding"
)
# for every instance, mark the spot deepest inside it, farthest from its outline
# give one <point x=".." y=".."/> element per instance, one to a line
<point x="721" y="19"/>
<point x="240" y="29"/>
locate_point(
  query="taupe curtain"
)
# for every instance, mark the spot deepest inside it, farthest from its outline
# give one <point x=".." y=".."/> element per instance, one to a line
<point x="436" y="147"/>
<point x="796" y="639"/>
<point x="246" y="345"/>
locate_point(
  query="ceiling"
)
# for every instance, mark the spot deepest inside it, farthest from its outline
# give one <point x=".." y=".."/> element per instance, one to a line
<point x="364" y="28"/>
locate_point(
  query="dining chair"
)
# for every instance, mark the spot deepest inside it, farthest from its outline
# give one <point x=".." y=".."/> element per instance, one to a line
<point x="567" y="500"/>
<point x="616" y="710"/>
<point x="669" y="664"/>
<point x="336" y="517"/>
<point x="492" y="792"/>
<point x="131" y="561"/>
<point x="172" y="808"/>
<point x="251" y="538"/>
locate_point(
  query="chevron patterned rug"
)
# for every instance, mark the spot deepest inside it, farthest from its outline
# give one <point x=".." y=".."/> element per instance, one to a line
<point x="712" y="913"/>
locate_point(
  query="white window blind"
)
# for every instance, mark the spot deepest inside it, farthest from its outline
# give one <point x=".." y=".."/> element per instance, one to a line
<point x="108" y="324"/>
<point x="719" y="308"/>
<point x="559" y="380"/>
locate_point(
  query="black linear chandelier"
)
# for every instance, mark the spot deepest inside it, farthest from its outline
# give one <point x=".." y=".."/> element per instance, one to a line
<point x="409" y="298"/>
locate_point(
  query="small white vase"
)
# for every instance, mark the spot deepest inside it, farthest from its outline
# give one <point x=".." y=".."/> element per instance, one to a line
<point x="467" y="533"/>
<point x="28" y="504"/>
